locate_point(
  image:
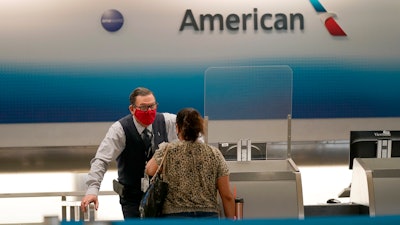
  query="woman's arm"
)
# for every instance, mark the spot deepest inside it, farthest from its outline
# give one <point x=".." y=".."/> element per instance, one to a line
<point x="226" y="196"/>
<point x="151" y="167"/>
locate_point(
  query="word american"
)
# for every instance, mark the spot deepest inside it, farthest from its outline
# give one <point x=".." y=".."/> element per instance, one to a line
<point x="235" y="22"/>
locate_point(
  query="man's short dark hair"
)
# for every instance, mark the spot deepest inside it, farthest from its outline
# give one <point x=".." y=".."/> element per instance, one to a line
<point x="140" y="91"/>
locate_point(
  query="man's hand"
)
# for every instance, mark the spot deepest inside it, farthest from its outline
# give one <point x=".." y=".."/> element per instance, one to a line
<point x="86" y="200"/>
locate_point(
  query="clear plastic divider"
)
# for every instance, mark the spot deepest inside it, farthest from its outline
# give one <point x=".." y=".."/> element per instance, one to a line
<point x="243" y="104"/>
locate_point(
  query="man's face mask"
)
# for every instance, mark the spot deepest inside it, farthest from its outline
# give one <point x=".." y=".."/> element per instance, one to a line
<point x="146" y="117"/>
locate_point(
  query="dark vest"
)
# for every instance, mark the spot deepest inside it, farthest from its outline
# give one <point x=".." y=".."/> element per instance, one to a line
<point x="131" y="162"/>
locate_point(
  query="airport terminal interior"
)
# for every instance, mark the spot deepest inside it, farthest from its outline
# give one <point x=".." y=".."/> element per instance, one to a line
<point x="300" y="97"/>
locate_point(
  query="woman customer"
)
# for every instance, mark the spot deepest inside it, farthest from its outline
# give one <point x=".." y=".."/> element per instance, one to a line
<point x="195" y="172"/>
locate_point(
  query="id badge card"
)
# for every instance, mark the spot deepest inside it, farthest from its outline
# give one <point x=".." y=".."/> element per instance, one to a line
<point x="145" y="182"/>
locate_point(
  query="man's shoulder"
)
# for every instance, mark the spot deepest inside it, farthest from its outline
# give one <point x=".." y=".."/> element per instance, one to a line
<point x="127" y="117"/>
<point x="168" y="116"/>
<point x="125" y="121"/>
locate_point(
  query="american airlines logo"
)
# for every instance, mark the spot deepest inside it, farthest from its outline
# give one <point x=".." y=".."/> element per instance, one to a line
<point x="327" y="19"/>
<point x="257" y="20"/>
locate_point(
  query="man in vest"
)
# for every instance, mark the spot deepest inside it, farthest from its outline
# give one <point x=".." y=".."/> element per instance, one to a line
<point x="125" y="141"/>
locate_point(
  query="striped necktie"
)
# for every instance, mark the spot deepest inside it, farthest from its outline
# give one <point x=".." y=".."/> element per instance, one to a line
<point x="146" y="136"/>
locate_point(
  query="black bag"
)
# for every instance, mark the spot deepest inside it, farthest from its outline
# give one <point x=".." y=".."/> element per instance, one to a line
<point x="153" y="199"/>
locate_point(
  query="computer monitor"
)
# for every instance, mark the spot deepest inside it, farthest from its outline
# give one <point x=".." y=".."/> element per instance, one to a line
<point x="374" y="144"/>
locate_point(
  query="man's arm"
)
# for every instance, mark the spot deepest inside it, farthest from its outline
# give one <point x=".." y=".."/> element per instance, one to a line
<point x="170" y="120"/>
<point x="110" y="148"/>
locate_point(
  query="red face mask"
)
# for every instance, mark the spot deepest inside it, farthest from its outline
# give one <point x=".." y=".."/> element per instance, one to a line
<point x="145" y="117"/>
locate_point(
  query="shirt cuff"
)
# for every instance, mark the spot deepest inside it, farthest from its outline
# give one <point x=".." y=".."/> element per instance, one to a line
<point x="92" y="191"/>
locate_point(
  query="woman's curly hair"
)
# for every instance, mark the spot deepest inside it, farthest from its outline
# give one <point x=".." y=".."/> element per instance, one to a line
<point x="190" y="124"/>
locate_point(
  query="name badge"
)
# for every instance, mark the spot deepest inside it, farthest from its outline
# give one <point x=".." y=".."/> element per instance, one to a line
<point x="145" y="182"/>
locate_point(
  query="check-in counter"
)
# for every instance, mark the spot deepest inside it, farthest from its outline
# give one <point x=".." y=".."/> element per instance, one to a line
<point x="376" y="184"/>
<point x="270" y="188"/>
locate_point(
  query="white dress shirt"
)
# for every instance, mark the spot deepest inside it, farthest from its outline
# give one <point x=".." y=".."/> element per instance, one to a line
<point x="112" y="146"/>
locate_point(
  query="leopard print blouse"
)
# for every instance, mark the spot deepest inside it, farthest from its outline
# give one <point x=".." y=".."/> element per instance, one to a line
<point x="191" y="170"/>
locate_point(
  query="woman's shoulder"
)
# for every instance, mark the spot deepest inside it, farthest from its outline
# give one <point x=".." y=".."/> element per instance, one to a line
<point x="211" y="147"/>
<point x="215" y="151"/>
<point x="164" y="145"/>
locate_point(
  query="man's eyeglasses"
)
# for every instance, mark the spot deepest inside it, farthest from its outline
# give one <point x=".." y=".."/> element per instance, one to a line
<point x="146" y="107"/>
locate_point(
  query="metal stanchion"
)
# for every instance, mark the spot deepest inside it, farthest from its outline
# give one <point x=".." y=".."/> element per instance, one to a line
<point x="70" y="211"/>
<point x="239" y="208"/>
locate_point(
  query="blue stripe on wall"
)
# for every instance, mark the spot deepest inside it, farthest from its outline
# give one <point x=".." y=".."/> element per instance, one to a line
<point x="59" y="93"/>
<point x="88" y="95"/>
